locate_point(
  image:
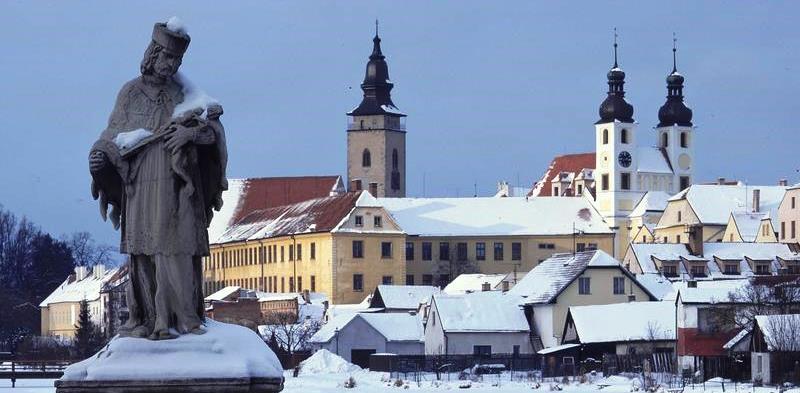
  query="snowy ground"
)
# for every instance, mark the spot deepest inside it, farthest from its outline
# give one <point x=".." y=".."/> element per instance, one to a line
<point x="374" y="382"/>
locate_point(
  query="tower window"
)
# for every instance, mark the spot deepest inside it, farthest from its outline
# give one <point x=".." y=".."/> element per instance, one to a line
<point x="685" y="182"/>
<point x="395" y="160"/>
<point x="664" y="140"/>
<point x="605" y="137"/>
<point x="684" y="140"/>
<point x="625" y="181"/>
<point x="624" y="136"/>
<point x="366" y="158"/>
<point x="604" y="182"/>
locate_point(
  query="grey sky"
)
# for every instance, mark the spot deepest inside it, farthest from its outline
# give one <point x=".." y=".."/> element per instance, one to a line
<point x="493" y="90"/>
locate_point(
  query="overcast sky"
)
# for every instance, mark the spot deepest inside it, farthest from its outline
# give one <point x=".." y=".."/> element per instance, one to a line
<point x="493" y="90"/>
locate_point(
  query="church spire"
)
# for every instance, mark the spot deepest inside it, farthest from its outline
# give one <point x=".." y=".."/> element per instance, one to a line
<point x="674" y="111"/>
<point x="377" y="86"/>
<point x="614" y="107"/>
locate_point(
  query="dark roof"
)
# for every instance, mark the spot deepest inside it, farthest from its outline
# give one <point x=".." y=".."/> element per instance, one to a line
<point x="674" y="111"/>
<point x="269" y="192"/>
<point x="311" y="216"/>
<point x="377" y="86"/>
<point x="564" y="163"/>
<point x="614" y="107"/>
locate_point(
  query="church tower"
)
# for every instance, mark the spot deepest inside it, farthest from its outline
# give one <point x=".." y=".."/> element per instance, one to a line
<point x="376" y="134"/>
<point x="674" y="130"/>
<point x="616" y="185"/>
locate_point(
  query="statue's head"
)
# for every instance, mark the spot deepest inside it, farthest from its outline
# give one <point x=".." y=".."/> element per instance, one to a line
<point x="164" y="55"/>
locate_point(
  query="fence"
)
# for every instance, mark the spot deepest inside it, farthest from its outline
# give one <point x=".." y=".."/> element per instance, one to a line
<point x="634" y="363"/>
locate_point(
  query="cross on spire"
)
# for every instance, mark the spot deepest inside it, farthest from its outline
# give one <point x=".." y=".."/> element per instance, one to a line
<point x="615" y="48"/>
<point x="674" y="49"/>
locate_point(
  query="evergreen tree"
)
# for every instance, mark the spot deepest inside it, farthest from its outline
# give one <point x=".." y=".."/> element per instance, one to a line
<point x="88" y="338"/>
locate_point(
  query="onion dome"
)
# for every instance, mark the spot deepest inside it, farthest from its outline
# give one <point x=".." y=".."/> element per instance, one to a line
<point x="674" y="111"/>
<point x="377" y="86"/>
<point x="614" y="107"/>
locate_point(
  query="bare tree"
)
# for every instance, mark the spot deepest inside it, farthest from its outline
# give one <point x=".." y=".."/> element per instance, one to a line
<point x="289" y="333"/>
<point x="782" y="332"/>
<point x="87" y="252"/>
<point x="767" y="296"/>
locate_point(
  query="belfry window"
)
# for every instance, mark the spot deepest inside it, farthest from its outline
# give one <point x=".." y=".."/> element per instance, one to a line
<point x="605" y="137"/>
<point x="684" y="140"/>
<point x="624" y="136"/>
<point x="366" y="158"/>
<point x="664" y="140"/>
<point x="395" y="160"/>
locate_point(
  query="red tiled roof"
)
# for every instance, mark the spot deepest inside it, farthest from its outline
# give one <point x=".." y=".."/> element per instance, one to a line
<point x="269" y="192"/>
<point x="566" y="163"/>
<point x="315" y="215"/>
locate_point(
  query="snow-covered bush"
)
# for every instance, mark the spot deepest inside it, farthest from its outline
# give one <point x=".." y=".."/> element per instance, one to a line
<point x="350" y="382"/>
<point x="398" y="382"/>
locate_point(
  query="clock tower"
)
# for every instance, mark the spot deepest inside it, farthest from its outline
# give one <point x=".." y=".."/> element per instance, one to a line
<point x="675" y="129"/>
<point x="616" y="185"/>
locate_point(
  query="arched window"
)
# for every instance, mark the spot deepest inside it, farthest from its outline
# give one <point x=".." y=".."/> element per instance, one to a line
<point x="684" y="139"/>
<point x="664" y="140"/>
<point x="395" y="163"/>
<point x="624" y="136"/>
<point x="605" y="137"/>
<point x="366" y="158"/>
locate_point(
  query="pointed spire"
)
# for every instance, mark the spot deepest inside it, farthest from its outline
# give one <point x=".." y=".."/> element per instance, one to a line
<point x="376" y="85"/>
<point x="377" y="54"/>
<point x="674" y="50"/>
<point x="615" y="48"/>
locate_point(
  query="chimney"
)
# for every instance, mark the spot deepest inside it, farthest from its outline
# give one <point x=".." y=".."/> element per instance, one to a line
<point x="721" y="180"/>
<point x="355" y="185"/>
<point x="505" y="286"/>
<point x="373" y="189"/>
<point x="783" y="182"/>
<point x="485" y="287"/>
<point x="99" y="271"/>
<point x="80" y="272"/>
<point x="756" y="200"/>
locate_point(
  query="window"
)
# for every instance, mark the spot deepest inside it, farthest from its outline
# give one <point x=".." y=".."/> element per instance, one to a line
<point x="516" y="251"/>
<point x="792" y="202"/>
<point x="427" y="251"/>
<point x="698" y="271"/>
<point x="444" y="251"/>
<point x="409" y="251"/>
<point x="409" y="279"/>
<point x="762" y="269"/>
<point x="313" y="283"/>
<point x="366" y="158"/>
<point x="548" y="246"/>
<point x="580" y="247"/>
<point x="604" y="182"/>
<point x="358" y="282"/>
<point x="482" y="350"/>
<point x="783" y="229"/>
<point x="444" y="279"/>
<point x="386" y="249"/>
<point x="313" y="251"/>
<point x="291" y="252"/>
<point x="299" y="252"/>
<point x="291" y="284"/>
<point x="664" y="140"/>
<point x="283" y="287"/>
<point x="461" y="251"/>
<point x="377" y="221"/>
<point x="282" y="254"/>
<point x="395" y="160"/>
<point x="359" y="221"/>
<point x="299" y="284"/>
<point x="619" y="285"/>
<point x="625" y="181"/>
<point x="684" y="182"/>
<point x="624" y="136"/>
<point x="580" y="189"/>
<point x="793" y="232"/>
<point x="356" y="184"/>
<point x="679" y="216"/>
<point x="555" y="192"/>
<point x="605" y="137"/>
<point x="584" y="287"/>
<point x="427" y="279"/>
<point x="498" y="251"/>
<point x="731" y="268"/>
<point x="684" y="140"/>
<point x="480" y="251"/>
<point x="358" y="249"/>
<point x="670" y="270"/>
<point x="387" y="280"/>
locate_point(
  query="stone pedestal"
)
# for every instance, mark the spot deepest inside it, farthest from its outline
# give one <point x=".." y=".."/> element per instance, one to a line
<point x="227" y="359"/>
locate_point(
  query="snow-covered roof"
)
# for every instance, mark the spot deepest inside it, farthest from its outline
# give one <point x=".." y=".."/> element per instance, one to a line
<point x="393" y="326"/>
<point x="490" y="311"/>
<point x="709" y="292"/>
<point x="223" y="294"/>
<point x="713" y="203"/>
<point x="473" y="283"/>
<point x="744" y="333"/>
<point x="546" y="281"/>
<point x="652" y="201"/>
<point x="781" y="332"/>
<point x="658" y="285"/>
<point x="644" y="321"/>
<point x="652" y="160"/>
<point x="564" y="163"/>
<point x="73" y="290"/>
<point x="402" y="297"/>
<point x="645" y="252"/>
<point x="749" y="224"/>
<point x="557" y="348"/>
<point x="498" y="216"/>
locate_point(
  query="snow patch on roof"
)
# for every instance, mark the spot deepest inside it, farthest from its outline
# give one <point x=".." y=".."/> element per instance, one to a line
<point x="749" y="224"/>
<point x="652" y="160"/>
<point x="713" y="203"/>
<point x="781" y="332"/>
<point x="473" y="283"/>
<point x="644" y="321"/>
<point x="481" y="312"/>
<point x="652" y="201"/>
<point x="405" y="297"/>
<point x="230" y="204"/>
<point x="75" y="291"/>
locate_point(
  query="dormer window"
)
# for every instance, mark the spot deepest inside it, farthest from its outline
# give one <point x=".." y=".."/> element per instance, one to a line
<point x="698" y="270"/>
<point x="377" y="221"/>
<point x="731" y="268"/>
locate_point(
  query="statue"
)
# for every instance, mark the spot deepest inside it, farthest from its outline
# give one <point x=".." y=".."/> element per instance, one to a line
<point x="160" y="167"/>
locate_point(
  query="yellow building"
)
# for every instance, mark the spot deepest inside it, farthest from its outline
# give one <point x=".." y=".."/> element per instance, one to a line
<point x="750" y="227"/>
<point x="61" y="309"/>
<point x="789" y="217"/>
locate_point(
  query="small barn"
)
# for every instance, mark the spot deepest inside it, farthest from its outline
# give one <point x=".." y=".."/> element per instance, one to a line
<point x="775" y="346"/>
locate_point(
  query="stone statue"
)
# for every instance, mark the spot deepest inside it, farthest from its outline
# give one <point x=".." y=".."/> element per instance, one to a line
<point x="160" y="167"/>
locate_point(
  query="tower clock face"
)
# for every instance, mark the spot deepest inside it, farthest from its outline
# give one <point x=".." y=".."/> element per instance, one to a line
<point x="624" y="159"/>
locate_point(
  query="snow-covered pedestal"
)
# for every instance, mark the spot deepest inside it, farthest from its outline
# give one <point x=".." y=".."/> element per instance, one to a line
<point x="228" y="358"/>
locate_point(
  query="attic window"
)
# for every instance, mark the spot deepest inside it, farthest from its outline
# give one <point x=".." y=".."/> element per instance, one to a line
<point x="359" y="221"/>
<point x="377" y="221"/>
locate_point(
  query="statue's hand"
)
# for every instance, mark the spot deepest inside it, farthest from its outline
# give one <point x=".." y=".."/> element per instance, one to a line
<point x="97" y="162"/>
<point x="179" y="137"/>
